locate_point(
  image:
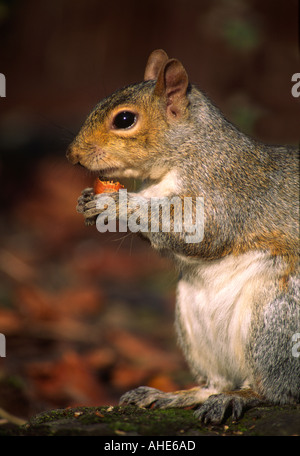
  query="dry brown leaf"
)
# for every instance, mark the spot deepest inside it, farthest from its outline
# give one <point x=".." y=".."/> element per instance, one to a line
<point x="68" y="380"/>
<point x="163" y="382"/>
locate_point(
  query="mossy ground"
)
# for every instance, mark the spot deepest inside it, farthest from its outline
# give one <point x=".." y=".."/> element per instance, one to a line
<point x="131" y="421"/>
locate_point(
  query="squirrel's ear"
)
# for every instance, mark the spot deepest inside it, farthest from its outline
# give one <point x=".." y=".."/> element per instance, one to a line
<point x="155" y="62"/>
<point x="172" y="83"/>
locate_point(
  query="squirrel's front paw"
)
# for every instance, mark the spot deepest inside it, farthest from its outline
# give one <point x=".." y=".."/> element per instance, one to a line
<point x="86" y="195"/>
<point x="87" y="206"/>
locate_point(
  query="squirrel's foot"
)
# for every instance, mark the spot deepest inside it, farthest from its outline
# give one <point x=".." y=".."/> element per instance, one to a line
<point x="144" y="396"/>
<point x="218" y="407"/>
<point x="214" y="408"/>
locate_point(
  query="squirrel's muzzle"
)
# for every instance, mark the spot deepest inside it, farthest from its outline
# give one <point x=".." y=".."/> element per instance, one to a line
<point x="72" y="154"/>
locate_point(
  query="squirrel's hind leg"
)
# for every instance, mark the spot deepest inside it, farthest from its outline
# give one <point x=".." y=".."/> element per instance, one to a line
<point x="145" y="396"/>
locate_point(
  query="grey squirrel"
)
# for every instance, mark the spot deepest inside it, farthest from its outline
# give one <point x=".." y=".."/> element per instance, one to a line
<point x="237" y="306"/>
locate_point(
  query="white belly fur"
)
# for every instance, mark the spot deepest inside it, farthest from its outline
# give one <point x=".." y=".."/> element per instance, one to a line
<point x="213" y="314"/>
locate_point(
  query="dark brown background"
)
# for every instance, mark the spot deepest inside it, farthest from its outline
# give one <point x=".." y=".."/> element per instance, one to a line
<point x="88" y="316"/>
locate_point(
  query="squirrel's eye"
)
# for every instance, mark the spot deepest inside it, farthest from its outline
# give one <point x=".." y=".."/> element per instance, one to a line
<point x="124" y="119"/>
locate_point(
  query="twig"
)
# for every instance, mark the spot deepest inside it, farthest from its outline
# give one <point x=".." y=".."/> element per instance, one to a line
<point x="11" y="418"/>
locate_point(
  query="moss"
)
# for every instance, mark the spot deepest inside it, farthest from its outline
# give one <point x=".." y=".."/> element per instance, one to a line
<point x="129" y="420"/>
<point x="113" y="420"/>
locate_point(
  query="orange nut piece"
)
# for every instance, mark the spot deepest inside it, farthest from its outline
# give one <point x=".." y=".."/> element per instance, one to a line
<point x="106" y="186"/>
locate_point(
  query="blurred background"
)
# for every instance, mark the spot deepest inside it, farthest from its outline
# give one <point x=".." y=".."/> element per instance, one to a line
<point x="88" y="316"/>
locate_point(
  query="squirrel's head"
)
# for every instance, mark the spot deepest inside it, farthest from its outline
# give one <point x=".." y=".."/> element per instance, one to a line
<point x="124" y="135"/>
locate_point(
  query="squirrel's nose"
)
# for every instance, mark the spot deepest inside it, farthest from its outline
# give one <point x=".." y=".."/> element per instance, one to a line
<point x="72" y="155"/>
